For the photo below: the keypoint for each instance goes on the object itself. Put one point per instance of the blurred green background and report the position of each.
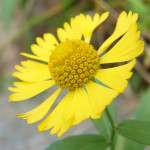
(21, 21)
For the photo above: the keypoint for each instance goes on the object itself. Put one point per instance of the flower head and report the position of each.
(74, 64)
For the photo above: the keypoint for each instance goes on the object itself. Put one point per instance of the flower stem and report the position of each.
(113, 126)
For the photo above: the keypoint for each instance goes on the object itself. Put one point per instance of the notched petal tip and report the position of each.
(10, 100)
(39, 129)
(33, 46)
(38, 40)
(135, 15)
(14, 74)
(105, 14)
(40, 111)
(142, 44)
(22, 54)
(12, 89)
(59, 135)
(9, 88)
(46, 34)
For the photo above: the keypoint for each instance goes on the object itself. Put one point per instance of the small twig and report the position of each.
(142, 72)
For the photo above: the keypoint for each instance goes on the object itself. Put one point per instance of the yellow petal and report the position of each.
(48, 43)
(39, 55)
(80, 108)
(70, 31)
(88, 25)
(40, 52)
(123, 23)
(65, 127)
(100, 96)
(80, 25)
(39, 112)
(43, 48)
(55, 119)
(25, 90)
(127, 48)
(32, 71)
(75, 108)
(62, 35)
(116, 77)
(34, 57)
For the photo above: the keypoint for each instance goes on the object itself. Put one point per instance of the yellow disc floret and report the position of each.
(73, 63)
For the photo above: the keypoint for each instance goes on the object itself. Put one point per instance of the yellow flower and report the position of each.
(73, 64)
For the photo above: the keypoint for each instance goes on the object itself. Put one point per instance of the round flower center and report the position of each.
(73, 63)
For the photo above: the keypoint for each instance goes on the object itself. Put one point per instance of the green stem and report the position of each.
(113, 126)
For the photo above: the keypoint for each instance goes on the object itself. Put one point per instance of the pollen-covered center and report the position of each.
(73, 63)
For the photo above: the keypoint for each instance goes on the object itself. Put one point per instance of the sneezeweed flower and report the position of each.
(74, 64)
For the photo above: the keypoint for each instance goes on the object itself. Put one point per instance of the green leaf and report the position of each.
(140, 115)
(103, 124)
(7, 10)
(81, 142)
(129, 144)
(144, 105)
(123, 143)
(136, 130)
